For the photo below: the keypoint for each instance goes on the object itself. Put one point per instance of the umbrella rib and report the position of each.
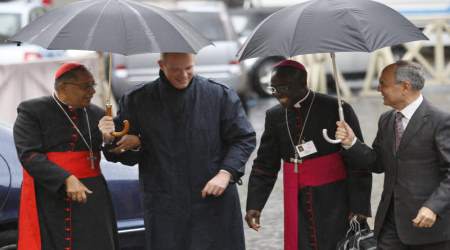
(94, 26)
(295, 30)
(149, 34)
(173, 24)
(359, 30)
(69, 19)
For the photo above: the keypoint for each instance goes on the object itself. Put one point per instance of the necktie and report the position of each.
(398, 129)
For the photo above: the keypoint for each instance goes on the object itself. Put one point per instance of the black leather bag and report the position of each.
(358, 237)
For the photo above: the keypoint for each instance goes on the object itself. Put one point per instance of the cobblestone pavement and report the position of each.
(368, 109)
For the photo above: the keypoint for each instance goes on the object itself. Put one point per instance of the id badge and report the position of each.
(306, 149)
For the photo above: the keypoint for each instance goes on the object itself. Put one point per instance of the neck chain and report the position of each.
(303, 126)
(88, 145)
(297, 104)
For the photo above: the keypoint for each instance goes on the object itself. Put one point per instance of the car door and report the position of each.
(5, 167)
(123, 185)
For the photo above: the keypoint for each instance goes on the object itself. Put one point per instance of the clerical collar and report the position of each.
(298, 104)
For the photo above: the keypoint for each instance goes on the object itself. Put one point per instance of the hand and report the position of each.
(217, 185)
(252, 219)
(106, 126)
(125, 143)
(359, 217)
(76, 190)
(425, 218)
(345, 133)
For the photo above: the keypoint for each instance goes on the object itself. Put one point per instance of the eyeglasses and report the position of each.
(278, 89)
(83, 86)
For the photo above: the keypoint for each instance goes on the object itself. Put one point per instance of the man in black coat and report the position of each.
(321, 191)
(412, 149)
(194, 142)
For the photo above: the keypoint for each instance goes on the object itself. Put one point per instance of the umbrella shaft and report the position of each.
(338, 92)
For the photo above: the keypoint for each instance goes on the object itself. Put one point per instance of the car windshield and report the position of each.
(208, 23)
(9, 25)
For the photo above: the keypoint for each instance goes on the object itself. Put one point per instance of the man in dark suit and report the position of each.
(412, 148)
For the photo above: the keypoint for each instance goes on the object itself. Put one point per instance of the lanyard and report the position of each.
(301, 131)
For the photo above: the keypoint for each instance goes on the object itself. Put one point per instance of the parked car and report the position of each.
(15, 15)
(122, 182)
(259, 69)
(217, 62)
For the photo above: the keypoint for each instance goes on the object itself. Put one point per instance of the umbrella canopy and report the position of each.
(323, 26)
(329, 26)
(118, 26)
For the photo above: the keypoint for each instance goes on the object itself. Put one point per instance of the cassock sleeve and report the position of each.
(126, 111)
(265, 168)
(237, 134)
(30, 149)
(359, 178)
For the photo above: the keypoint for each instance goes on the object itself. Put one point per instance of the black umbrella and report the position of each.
(116, 26)
(329, 26)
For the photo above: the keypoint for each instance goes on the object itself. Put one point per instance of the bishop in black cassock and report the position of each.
(321, 191)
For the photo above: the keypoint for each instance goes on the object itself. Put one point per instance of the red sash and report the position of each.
(312, 172)
(76, 163)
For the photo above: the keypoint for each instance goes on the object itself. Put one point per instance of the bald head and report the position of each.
(178, 68)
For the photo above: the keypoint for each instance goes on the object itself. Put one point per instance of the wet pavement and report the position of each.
(368, 109)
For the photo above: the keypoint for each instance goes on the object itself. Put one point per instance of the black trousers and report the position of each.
(389, 240)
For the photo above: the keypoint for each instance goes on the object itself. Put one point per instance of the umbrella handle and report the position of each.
(325, 132)
(126, 124)
(328, 139)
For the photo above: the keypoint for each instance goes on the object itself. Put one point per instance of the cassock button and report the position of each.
(74, 137)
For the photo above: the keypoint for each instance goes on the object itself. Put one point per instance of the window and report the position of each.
(9, 25)
(35, 13)
(208, 23)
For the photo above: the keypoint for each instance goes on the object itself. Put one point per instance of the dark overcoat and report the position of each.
(187, 137)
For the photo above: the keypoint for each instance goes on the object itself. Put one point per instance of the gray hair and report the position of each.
(410, 71)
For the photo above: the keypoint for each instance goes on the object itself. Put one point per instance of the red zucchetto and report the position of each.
(66, 67)
(290, 63)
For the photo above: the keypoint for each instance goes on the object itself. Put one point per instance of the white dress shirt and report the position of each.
(407, 113)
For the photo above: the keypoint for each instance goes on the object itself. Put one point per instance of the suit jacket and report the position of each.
(417, 175)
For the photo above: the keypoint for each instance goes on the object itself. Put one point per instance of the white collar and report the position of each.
(409, 110)
(297, 105)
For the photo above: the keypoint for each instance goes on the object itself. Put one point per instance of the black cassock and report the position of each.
(187, 137)
(322, 209)
(41, 127)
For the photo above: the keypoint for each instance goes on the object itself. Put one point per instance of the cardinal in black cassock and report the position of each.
(65, 203)
(321, 191)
